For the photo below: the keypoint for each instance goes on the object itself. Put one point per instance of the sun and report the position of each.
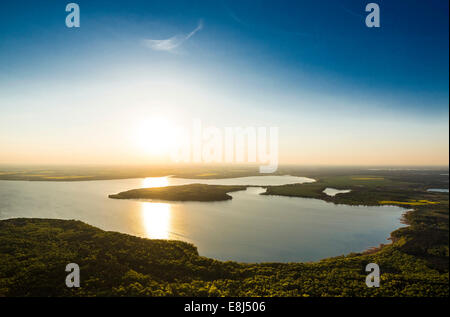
(156, 136)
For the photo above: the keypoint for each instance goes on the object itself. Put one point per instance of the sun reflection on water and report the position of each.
(155, 182)
(156, 220)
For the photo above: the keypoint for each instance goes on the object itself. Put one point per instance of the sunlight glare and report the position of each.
(156, 220)
(156, 136)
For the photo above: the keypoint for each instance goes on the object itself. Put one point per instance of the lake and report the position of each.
(248, 228)
(438, 190)
(333, 191)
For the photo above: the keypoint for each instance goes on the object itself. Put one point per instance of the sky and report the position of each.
(339, 92)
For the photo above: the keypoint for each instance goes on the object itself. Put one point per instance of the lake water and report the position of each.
(438, 190)
(248, 228)
(333, 191)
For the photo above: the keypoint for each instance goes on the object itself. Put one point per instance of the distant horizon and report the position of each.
(206, 165)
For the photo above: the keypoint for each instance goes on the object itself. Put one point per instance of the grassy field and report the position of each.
(412, 202)
(191, 192)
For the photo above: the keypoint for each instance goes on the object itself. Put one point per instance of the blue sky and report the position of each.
(310, 67)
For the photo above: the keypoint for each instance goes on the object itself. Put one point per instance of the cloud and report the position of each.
(172, 43)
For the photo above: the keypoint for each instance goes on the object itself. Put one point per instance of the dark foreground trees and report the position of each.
(35, 252)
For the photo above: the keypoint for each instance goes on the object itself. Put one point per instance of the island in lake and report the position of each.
(191, 192)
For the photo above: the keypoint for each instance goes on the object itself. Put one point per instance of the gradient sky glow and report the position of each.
(340, 93)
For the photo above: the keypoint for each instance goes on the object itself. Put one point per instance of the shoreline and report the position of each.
(406, 217)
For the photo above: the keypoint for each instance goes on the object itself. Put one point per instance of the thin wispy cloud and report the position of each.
(172, 43)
